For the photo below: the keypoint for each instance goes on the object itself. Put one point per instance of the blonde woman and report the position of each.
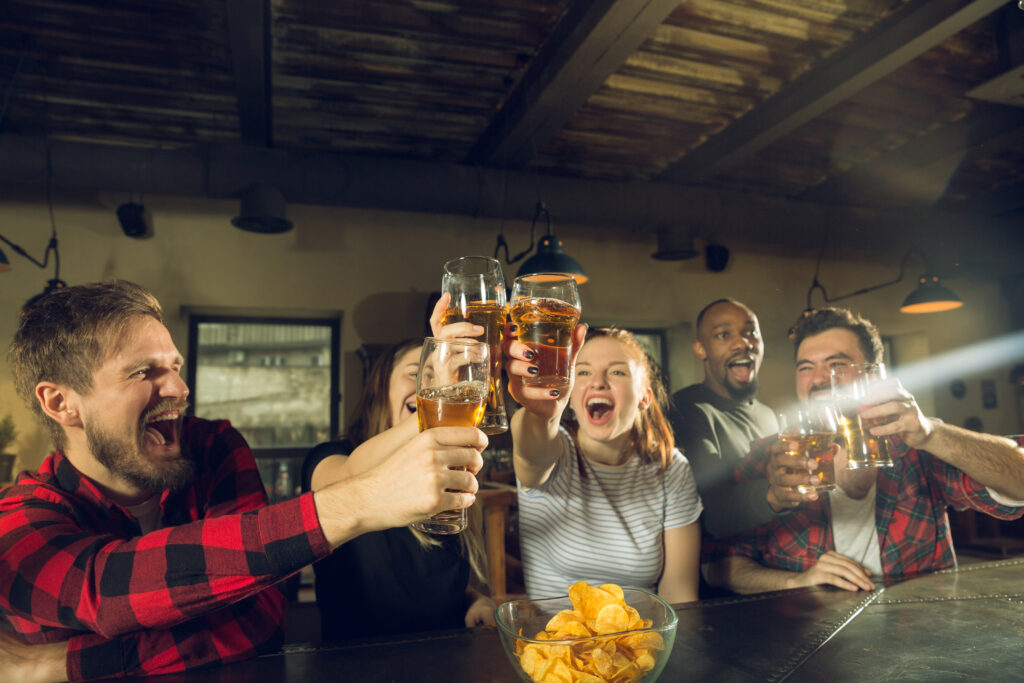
(604, 495)
(398, 580)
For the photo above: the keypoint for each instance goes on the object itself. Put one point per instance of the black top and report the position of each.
(714, 434)
(385, 583)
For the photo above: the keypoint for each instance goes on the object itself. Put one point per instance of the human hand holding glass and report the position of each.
(852, 387)
(476, 289)
(545, 309)
(451, 391)
(811, 429)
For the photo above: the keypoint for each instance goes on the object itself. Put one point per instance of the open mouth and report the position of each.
(410, 406)
(741, 369)
(820, 392)
(599, 408)
(162, 428)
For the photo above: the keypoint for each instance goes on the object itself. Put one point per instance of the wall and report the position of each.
(379, 268)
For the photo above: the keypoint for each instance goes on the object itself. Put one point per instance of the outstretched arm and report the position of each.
(992, 461)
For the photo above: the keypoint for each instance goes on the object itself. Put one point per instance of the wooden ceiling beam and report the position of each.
(249, 35)
(638, 208)
(985, 133)
(588, 44)
(909, 32)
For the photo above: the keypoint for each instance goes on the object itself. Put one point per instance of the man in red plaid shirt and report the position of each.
(144, 544)
(879, 522)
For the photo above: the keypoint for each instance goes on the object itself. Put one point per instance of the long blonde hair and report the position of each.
(651, 435)
(373, 416)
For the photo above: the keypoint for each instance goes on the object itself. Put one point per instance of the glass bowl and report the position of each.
(519, 622)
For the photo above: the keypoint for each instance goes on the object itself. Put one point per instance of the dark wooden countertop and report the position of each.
(965, 624)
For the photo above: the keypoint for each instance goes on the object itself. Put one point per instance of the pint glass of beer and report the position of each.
(812, 428)
(451, 391)
(545, 309)
(851, 388)
(477, 290)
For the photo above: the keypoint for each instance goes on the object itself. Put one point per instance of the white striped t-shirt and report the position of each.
(605, 529)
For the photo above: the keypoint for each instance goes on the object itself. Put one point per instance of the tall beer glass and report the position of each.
(545, 309)
(851, 389)
(451, 391)
(477, 290)
(813, 428)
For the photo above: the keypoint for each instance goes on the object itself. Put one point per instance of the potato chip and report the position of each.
(611, 619)
(621, 658)
(562, 619)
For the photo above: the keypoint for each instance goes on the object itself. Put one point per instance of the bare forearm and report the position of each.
(993, 461)
(535, 446)
(744, 575)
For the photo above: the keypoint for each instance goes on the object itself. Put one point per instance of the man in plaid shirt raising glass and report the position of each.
(144, 544)
(879, 522)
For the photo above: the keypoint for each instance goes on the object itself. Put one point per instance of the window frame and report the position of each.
(195, 317)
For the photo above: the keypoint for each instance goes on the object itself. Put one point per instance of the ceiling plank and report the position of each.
(909, 32)
(248, 28)
(1003, 201)
(984, 133)
(588, 45)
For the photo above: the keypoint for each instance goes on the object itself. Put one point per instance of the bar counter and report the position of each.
(963, 624)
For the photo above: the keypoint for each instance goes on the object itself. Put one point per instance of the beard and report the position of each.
(122, 456)
(742, 392)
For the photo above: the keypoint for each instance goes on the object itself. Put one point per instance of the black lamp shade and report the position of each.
(263, 210)
(551, 258)
(930, 297)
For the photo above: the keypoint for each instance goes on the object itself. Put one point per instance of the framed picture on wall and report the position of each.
(654, 342)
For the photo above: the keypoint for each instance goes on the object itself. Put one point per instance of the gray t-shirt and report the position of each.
(714, 434)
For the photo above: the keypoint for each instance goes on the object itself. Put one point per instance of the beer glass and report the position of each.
(851, 388)
(477, 290)
(451, 391)
(545, 309)
(812, 427)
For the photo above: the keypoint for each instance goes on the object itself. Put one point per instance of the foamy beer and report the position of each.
(451, 391)
(477, 290)
(813, 429)
(851, 387)
(545, 309)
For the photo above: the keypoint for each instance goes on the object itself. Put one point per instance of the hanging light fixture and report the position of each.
(550, 256)
(930, 297)
(262, 210)
(55, 282)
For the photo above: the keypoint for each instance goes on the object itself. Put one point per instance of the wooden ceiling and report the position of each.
(860, 103)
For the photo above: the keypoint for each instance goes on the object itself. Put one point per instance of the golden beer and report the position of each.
(546, 326)
(458, 405)
(818, 446)
(491, 316)
(862, 448)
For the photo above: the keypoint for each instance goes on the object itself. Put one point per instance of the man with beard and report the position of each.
(144, 544)
(715, 421)
(879, 522)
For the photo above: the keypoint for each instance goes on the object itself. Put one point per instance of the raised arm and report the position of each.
(535, 442)
(992, 461)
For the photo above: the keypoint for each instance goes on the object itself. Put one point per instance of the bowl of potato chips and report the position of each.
(595, 634)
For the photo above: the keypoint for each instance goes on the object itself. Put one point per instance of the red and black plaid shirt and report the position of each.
(195, 593)
(910, 515)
